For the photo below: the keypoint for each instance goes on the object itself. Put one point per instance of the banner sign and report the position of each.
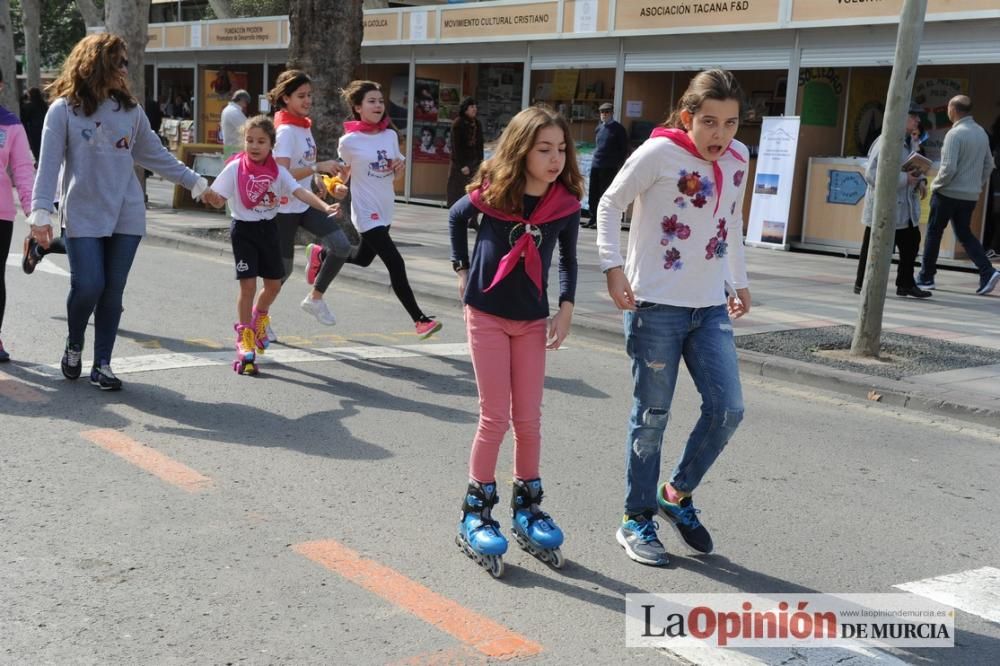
(772, 188)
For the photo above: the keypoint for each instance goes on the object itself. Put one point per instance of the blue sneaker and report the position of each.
(637, 535)
(684, 518)
(988, 283)
(927, 285)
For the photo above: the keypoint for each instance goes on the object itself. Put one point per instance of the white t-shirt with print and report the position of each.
(297, 145)
(685, 242)
(279, 191)
(371, 158)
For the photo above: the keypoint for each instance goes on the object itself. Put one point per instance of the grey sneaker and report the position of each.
(988, 283)
(637, 535)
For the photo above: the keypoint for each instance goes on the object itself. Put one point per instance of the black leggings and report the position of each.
(376, 242)
(6, 231)
(907, 241)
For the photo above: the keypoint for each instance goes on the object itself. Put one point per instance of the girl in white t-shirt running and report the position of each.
(296, 150)
(370, 148)
(256, 185)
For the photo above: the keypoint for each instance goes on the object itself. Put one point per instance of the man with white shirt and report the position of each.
(233, 117)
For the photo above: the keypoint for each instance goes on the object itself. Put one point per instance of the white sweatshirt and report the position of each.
(681, 250)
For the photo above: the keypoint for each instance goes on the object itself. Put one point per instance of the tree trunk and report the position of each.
(222, 8)
(129, 19)
(31, 16)
(867, 333)
(8, 97)
(92, 15)
(326, 43)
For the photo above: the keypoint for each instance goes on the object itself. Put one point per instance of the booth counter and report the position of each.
(835, 199)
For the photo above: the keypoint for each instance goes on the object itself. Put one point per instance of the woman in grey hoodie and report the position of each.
(97, 128)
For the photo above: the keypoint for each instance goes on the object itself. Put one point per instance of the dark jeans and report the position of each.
(907, 244)
(377, 243)
(959, 213)
(600, 180)
(98, 271)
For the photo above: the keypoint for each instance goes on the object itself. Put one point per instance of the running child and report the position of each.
(296, 150)
(529, 196)
(685, 260)
(370, 148)
(255, 186)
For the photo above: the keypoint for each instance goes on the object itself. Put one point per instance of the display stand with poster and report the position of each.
(772, 186)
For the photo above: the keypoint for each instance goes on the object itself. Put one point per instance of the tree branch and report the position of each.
(91, 13)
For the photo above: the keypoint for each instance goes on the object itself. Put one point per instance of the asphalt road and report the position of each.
(308, 515)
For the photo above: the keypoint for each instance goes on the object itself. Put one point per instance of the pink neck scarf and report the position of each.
(681, 138)
(556, 204)
(365, 126)
(252, 179)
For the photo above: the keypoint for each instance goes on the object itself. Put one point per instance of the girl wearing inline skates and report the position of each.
(529, 196)
(255, 186)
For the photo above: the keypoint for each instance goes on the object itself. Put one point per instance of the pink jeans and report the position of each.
(509, 359)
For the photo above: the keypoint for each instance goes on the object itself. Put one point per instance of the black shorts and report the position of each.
(256, 249)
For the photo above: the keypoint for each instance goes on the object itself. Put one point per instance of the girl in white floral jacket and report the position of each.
(684, 277)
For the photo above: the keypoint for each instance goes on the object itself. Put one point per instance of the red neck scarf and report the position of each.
(283, 117)
(253, 180)
(365, 126)
(681, 138)
(556, 204)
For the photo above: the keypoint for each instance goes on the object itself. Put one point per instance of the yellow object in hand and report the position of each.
(331, 183)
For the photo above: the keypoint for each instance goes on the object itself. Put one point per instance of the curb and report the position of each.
(894, 392)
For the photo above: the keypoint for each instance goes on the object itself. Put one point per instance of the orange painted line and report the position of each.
(478, 632)
(18, 391)
(149, 459)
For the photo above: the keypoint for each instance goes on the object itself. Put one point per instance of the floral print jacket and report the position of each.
(685, 241)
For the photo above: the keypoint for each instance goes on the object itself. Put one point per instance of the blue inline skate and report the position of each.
(534, 530)
(479, 535)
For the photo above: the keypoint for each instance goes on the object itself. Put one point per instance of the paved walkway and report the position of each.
(791, 290)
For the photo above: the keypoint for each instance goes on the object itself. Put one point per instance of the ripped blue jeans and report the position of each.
(656, 338)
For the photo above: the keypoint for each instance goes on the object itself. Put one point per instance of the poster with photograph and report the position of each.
(425, 98)
(449, 97)
(430, 142)
(217, 87)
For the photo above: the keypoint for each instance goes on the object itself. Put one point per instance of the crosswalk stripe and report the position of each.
(176, 361)
(18, 391)
(848, 656)
(976, 591)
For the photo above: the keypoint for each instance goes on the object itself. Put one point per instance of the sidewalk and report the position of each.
(790, 290)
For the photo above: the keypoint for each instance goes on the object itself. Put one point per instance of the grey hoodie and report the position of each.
(101, 194)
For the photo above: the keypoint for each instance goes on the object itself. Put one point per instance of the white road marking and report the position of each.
(174, 361)
(976, 591)
(41, 267)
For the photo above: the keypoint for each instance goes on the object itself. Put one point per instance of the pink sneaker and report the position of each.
(426, 329)
(315, 253)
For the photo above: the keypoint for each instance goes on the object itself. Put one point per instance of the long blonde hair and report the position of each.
(505, 171)
(93, 73)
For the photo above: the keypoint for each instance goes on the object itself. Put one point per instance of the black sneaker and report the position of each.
(914, 291)
(987, 284)
(102, 377)
(71, 361)
(684, 518)
(637, 535)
